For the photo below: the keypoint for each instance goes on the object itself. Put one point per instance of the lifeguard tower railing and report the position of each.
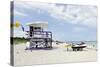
(39, 34)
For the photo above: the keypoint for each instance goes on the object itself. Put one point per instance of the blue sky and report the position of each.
(66, 22)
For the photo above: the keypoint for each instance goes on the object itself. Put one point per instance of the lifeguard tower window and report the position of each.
(35, 29)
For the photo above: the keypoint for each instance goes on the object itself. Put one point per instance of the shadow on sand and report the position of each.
(73, 51)
(40, 48)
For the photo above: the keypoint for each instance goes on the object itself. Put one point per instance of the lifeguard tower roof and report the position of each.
(41, 24)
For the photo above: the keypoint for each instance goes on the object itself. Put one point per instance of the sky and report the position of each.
(67, 22)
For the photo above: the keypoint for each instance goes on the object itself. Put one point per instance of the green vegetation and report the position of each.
(18, 40)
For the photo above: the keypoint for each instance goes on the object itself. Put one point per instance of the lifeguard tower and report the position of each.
(38, 37)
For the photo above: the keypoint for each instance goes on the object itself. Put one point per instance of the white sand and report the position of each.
(58, 54)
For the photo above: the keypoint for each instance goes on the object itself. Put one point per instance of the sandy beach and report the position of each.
(58, 54)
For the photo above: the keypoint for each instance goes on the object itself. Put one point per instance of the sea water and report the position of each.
(92, 44)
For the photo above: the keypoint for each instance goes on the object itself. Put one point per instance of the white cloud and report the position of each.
(84, 15)
(19, 13)
(74, 14)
